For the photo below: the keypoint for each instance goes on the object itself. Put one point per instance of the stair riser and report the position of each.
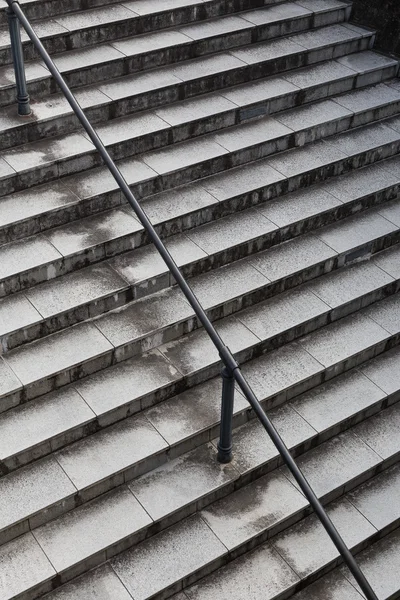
(120, 67)
(149, 286)
(109, 32)
(168, 136)
(46, 272)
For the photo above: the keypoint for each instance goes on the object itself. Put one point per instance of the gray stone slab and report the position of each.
(99, 584)
(299, 206)
(386, 313)
(259, 91)
(241, 180)
(231, 231)
(309, 116)
(355, 231)
(389, 261)
(268, 51)
(318, 74)
(349, 284)
(183, 200)
(280, 370)
(147, 316)
(203, 67)
(271, 14)
(227, 283)
(381, 565)
(322, 5)
(182, 482)
(292, 428)
(138, 83)
(331, 466)
(379, 499)
(183, 155)
(192, 412)
(95, 17)
(332, 34)
(79, 288)
(57, 353)
(306, 546)
(6, 170)
(251, 134)
(365, 62)
(24, 565)
(216, 27)
(145, 263)
(150, 42)
(334, 402)
(300, 160)
(110, 451)
(93, 231)
(391, 212)
(34, 71)
(195, 351)
(381, 432)
(253, 447)
(340, 341)
(9, 381)
(147, 7)
(43, 152)
(41, 421)
(259, 575)
(33, 489)
(100, 181)
(20, 256)
(292, 256)
(280, 314)
(195, 108)
(86, 57)
(87, 97)
(91, 529)
(33, 202)
(254, 509)
(364, 139)
(164, 561)
(360, 100)
(333, 586)
(127, 383)
(16, 312)
(130, 127)
(359, 183)
(384, 371)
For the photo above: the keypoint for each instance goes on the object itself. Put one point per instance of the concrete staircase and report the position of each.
(263, 140)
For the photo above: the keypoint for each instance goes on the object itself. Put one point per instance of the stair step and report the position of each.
(146, 33)
(53, 116)
(102, 461)
(89, 292)
(61, 250)
(166, 315)
(47, 160)
(140, 383)
(158, 11)
(103, 63)
(58, 540)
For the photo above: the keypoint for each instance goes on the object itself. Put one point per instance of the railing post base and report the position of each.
(225, 440)
(24, 108)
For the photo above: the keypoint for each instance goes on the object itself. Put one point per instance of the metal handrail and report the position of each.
(231, 371)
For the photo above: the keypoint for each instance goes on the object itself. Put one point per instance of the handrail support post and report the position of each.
(24, 108)
(225, 438)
